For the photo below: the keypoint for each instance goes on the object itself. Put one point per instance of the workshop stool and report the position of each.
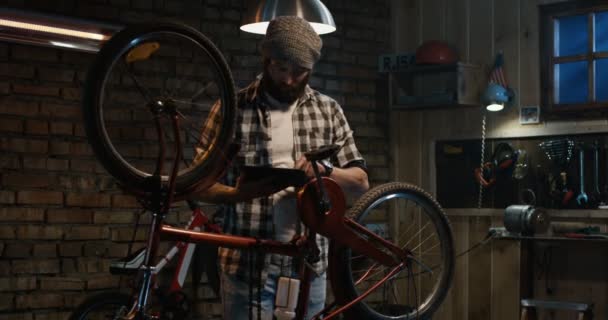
(528, 308)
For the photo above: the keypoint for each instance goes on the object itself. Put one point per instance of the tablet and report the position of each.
(292, 177)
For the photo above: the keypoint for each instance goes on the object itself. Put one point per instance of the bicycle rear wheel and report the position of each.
(411, 219)
(105, 305)
(143, 77)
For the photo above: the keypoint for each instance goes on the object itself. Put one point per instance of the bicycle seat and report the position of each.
(323, 152)
(129, 264)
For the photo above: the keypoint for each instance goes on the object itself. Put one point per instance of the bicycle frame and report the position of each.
(287, 249)
(330, 223)
(198, 221)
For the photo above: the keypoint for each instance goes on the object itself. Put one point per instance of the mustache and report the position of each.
(283, 93)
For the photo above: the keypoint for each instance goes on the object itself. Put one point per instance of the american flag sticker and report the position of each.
(497, 75)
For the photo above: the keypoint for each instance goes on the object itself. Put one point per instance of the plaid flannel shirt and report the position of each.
(318, 120)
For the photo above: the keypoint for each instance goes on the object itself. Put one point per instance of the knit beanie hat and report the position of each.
(292, 39)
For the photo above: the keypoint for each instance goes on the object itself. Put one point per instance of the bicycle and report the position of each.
(174, 303)
(163, 60)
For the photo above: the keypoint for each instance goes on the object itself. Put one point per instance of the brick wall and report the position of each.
(62, 219)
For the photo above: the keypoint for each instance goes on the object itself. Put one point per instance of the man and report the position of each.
(279, 119)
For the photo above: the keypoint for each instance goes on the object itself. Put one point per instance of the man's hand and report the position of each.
(306, 166)
(353, 180)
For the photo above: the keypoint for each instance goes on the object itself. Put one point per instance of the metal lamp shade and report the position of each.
(495, 97)
(44, 29)
(261, 12)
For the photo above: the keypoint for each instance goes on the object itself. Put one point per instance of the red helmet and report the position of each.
(435, 52)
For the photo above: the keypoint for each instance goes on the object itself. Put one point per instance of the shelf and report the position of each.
(549, 238)
(432, 68)
(554, 213)
(428, 86)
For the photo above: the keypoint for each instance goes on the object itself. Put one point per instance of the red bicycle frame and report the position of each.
(335, 226)
(330, 223)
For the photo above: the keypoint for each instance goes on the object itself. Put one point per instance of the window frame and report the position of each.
(547, 14)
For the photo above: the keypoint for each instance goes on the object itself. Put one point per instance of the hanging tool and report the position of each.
(596, 174)
(582, 199)
(560, 152)
(567, 193)
(521, 165)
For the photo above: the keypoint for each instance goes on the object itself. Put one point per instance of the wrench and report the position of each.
(582, 198)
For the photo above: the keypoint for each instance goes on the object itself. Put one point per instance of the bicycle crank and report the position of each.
(176, 306)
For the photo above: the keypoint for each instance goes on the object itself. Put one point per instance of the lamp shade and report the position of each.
(495, 97)
(44, 29)
(261, 12)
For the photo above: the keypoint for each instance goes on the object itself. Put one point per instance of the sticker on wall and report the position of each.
(529, 114)
(395, 62)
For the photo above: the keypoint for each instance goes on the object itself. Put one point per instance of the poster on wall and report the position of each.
(529, 114)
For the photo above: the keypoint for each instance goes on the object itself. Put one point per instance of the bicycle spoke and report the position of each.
(202, 91)
(144, 92)
(395, 292)
(426, 253)
(197, 138)
(415, 235)
(421, 243)
(197, 94)
(398, 278)
(357, 257)
(409, 226)
(366, 273)
(378, 272)
(189, 103)
(178, 85)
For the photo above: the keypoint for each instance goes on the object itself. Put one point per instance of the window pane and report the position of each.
(571, 82)
(601, 31)
(601, 80)
(571, 35)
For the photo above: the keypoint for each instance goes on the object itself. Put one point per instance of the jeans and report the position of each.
(235, 297)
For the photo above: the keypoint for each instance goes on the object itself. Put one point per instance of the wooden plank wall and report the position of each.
(486, 284)
(486, 281)
(477, 29)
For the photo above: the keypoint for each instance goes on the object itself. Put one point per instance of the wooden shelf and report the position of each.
(548, 238)
(436, 86)
(554, 213)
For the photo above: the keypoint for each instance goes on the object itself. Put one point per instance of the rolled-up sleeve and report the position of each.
(343, 136)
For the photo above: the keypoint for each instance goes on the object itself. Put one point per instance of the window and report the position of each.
(574, 56)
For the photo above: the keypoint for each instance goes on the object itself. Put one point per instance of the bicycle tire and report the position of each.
(113, 303)
(343, 282)
(128, 175)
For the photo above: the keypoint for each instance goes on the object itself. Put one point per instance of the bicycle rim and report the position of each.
(104, 306)
(140, 79)
(409, 218)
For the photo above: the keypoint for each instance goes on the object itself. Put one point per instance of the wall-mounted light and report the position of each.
(496, 96)
(261, 12)
(53, 30)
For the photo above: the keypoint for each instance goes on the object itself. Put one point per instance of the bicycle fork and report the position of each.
(349, 233)
(138, 312)
(161, 201)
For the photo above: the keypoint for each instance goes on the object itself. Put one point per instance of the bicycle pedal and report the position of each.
(129, 264)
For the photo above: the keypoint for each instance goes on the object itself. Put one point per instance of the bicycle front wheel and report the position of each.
(106, 305)
(411, 219)
(143, 78)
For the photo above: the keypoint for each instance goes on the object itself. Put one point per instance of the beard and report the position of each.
(283, 93)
